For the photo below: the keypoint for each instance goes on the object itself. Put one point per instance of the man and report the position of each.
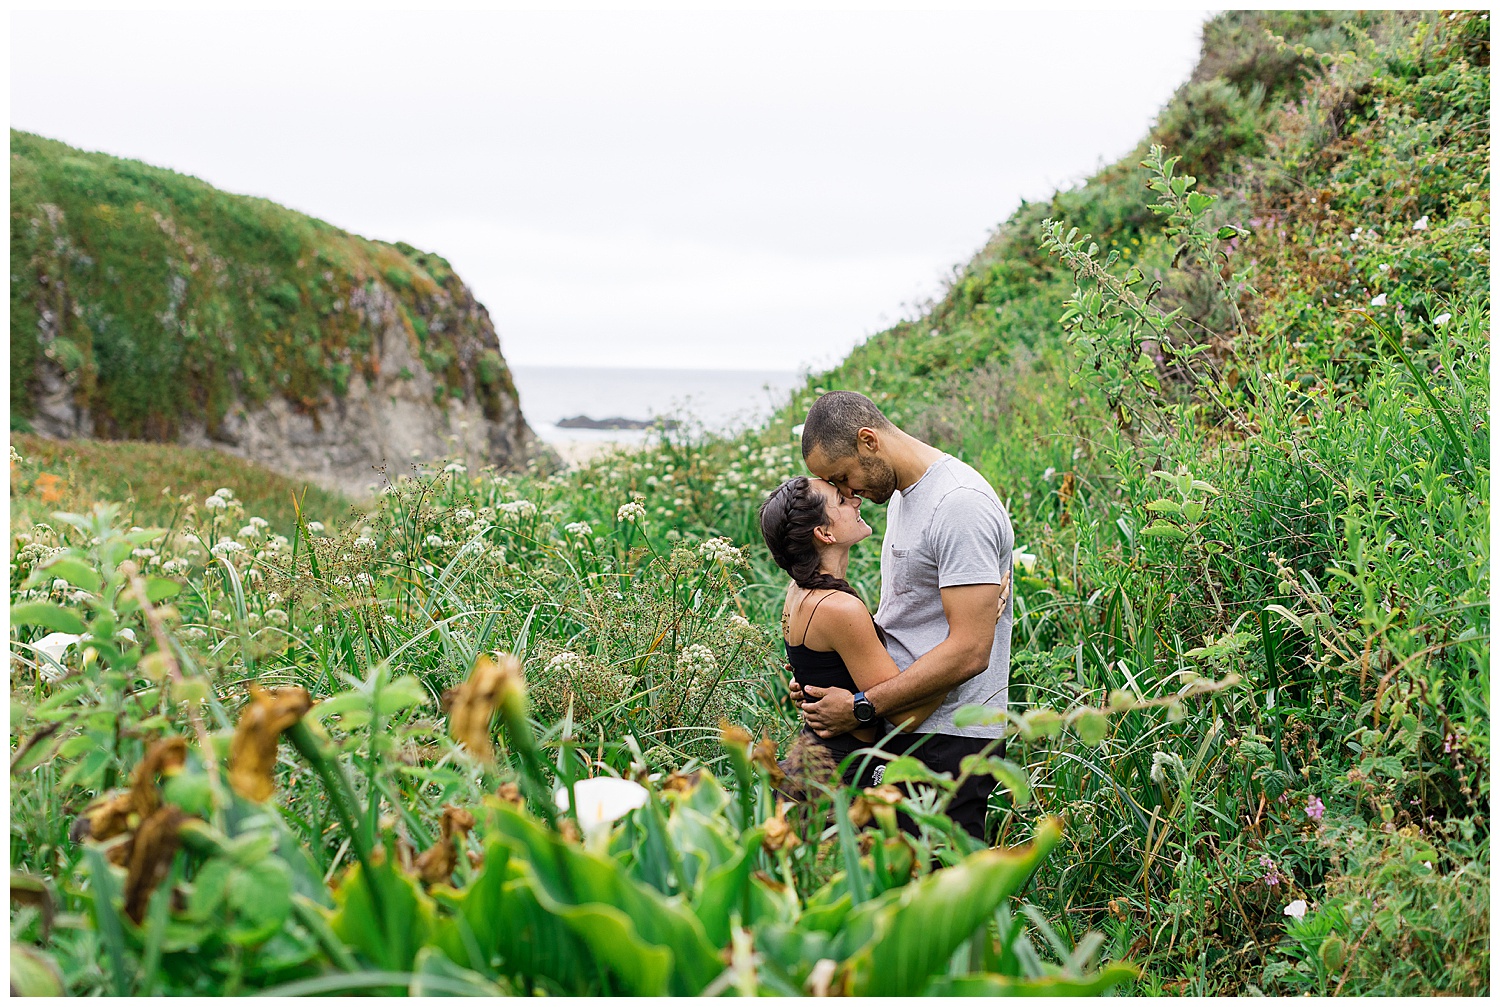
(947, 550)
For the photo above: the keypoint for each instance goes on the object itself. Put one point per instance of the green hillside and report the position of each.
(1234, 390)
(163, 301)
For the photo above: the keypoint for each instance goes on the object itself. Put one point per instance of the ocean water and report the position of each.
(718, 401)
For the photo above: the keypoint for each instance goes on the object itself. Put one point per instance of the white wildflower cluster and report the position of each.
(696, 661)
(315, 527)
(15, 456)
(757, 471)
(275, 546)
(364, 543)
(629, 512)
(214, 503)
(276, 617)
(456, 468)
(463, 515)
(248, 532)
(226, 547)
(579, 528)
(515, 511)
(563, 662)
(173, 567)
(435, 541)
(742, 628)
(721, 550)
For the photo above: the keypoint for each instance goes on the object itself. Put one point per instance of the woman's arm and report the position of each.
(847, 629)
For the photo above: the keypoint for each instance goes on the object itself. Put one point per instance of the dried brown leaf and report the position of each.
(151, 851)
(473, 704)
(252, 752)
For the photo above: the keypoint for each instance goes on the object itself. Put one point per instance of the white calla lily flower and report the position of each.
(603, 800)
(54, 645)
(1296, 909)
(1025, 560)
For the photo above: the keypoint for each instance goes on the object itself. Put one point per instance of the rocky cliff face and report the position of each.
(148, 305)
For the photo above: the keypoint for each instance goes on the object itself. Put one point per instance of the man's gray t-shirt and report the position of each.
(947, 529)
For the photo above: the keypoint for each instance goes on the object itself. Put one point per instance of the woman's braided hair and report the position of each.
(788, 518)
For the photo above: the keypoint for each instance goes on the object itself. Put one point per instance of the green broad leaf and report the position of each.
(48, 615)
(1041, 723)
(724, 890)
(390, 940)
(905, 769)
(402, 694)
(1197, 202)
(1192, 511)
(160, 589)
(1204, 487)
(1010, 775)
(90, 770)
(190, 791)
(259, 897)
(434, 975)
(976, 715)
(1092, 725)
(915, 932)
(989, 985)
(73, 570)
(342, 703)
(609, 911)
(78, 744)
(1226, 232)
(1164, 507)
(32, 973)
(1163, 530)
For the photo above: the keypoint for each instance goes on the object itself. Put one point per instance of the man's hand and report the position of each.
(828, 712)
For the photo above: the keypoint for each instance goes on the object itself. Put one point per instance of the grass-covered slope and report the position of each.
(154, 483)
(1286, 481)
(160, 302)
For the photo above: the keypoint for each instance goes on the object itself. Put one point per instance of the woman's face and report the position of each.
(844, 522)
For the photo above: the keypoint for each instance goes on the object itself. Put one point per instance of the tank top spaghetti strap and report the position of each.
(824, 669)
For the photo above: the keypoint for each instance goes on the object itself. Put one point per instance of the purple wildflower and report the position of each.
(1314, 809)
(1272, 877)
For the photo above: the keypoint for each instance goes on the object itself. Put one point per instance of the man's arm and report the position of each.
(970, 611)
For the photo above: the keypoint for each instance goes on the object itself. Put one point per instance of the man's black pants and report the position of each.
(942, 753)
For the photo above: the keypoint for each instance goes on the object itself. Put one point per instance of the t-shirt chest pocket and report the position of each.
(903, 570)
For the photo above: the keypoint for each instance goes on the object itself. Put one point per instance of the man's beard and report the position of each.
(879, 480)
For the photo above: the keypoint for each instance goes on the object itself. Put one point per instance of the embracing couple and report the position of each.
(941, 637)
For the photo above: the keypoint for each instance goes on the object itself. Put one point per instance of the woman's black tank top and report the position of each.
(821, 668)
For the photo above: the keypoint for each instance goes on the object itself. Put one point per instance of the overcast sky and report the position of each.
(756, 190)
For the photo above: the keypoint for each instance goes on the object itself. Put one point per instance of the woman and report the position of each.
(810, 526)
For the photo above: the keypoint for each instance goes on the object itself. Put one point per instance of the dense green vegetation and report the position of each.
(162, 301)
(1240, 419)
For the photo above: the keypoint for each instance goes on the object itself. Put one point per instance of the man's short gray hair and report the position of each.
(834, 421)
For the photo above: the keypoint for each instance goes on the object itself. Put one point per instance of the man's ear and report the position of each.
(869, 439)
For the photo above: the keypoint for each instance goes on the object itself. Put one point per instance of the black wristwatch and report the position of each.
(864, 710)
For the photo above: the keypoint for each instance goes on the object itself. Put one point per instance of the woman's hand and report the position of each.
(1005, 584)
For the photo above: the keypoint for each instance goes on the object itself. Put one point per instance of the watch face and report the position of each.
(864, 710)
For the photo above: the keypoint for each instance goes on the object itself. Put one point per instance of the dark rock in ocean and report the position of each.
(614, 423)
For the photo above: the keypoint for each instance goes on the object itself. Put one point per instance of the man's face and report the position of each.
(864, 473)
